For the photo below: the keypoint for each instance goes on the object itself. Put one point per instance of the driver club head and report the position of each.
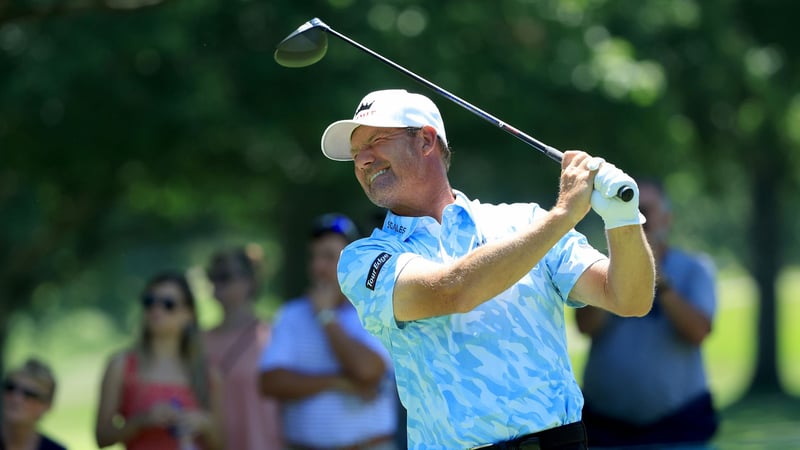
(304, 46)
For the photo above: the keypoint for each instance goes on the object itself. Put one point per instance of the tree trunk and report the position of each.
(3, 336)
(765, 237)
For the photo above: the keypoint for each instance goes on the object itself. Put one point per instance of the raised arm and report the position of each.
(426, 289)
(623, 284)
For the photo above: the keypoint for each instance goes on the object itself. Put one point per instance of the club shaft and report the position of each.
(551, 152)
(625, 193)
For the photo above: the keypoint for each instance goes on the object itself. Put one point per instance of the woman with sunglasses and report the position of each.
(27, 395)
(160, 395)
(234, 348)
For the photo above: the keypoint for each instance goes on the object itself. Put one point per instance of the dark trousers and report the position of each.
(565, 437)
(694, 423)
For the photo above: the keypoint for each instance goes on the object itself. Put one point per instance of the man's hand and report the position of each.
(575, 187)
(607, 182)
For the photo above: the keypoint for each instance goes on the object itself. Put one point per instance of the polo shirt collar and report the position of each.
(405, 226)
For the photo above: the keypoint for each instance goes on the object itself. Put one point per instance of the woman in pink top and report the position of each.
(160, 395)
(234, 349)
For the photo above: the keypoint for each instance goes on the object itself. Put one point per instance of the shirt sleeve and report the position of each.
(567, 261)
(564, 263)
(367, 274)
(279, 352)
(701, 289)
(358, 332)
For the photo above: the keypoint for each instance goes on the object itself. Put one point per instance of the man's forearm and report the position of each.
(689, 322)
(429, 290)
(358, 361)
(284, 384)
(631, 272)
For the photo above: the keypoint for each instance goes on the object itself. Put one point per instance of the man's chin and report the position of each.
(381, 201)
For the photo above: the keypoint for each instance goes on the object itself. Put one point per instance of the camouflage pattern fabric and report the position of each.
(495, 373)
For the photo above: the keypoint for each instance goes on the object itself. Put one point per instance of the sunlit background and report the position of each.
(138, 135)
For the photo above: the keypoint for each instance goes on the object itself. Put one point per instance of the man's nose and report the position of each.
(364, 158)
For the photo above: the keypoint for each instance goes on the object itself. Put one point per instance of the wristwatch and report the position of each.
(326, 316)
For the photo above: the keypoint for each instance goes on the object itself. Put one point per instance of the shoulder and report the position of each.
(693, 260)
(507, 210)
(371, 250)
(497, 220)
(298, 306)
(118, 361)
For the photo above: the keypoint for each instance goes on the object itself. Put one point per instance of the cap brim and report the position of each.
(336, 140)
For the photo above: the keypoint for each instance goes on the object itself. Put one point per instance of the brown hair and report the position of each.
(247, 259)
(40, 372)
(191, 348)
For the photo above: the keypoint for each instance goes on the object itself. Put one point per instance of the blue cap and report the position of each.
(335, 223)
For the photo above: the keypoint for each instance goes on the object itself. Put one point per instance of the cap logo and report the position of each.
(364, 106)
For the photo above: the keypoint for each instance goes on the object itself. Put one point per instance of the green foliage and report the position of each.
(142, 138)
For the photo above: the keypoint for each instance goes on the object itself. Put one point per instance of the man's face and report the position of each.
(324, 257)
(652, 205)
(387, 163)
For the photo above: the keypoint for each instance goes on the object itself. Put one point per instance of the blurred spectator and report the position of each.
(644, 380)
(28, 393)
(334, 379)
(401, 436)
(160, 394)
(234, 348)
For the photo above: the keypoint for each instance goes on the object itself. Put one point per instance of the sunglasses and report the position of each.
(29, 394)
(168, 303)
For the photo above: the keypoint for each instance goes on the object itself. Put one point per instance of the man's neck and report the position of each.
(428, 205)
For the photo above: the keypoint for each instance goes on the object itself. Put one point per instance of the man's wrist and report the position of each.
(617, 220)
(326, 316)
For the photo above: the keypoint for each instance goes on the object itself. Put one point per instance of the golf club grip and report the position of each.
(625, 193)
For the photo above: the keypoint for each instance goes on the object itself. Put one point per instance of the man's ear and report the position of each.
(428, 134)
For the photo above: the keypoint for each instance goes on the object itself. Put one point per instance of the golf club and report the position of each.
(309, 43)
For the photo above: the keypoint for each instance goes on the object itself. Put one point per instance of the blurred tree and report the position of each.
(733, 74)
(133, 140)
(25, 10)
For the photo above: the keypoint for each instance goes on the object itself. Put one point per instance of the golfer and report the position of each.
(469, 297)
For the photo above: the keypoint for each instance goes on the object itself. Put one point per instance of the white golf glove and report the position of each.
(614, 211)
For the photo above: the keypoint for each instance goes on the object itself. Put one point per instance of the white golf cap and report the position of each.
(391, 108)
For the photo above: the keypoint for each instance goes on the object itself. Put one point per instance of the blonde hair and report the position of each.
(40, 372)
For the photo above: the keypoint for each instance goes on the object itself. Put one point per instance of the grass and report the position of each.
(79, 344)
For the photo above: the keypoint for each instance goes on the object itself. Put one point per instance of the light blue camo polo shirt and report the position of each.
(497, 372)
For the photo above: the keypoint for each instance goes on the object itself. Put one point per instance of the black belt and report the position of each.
(571, 436)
